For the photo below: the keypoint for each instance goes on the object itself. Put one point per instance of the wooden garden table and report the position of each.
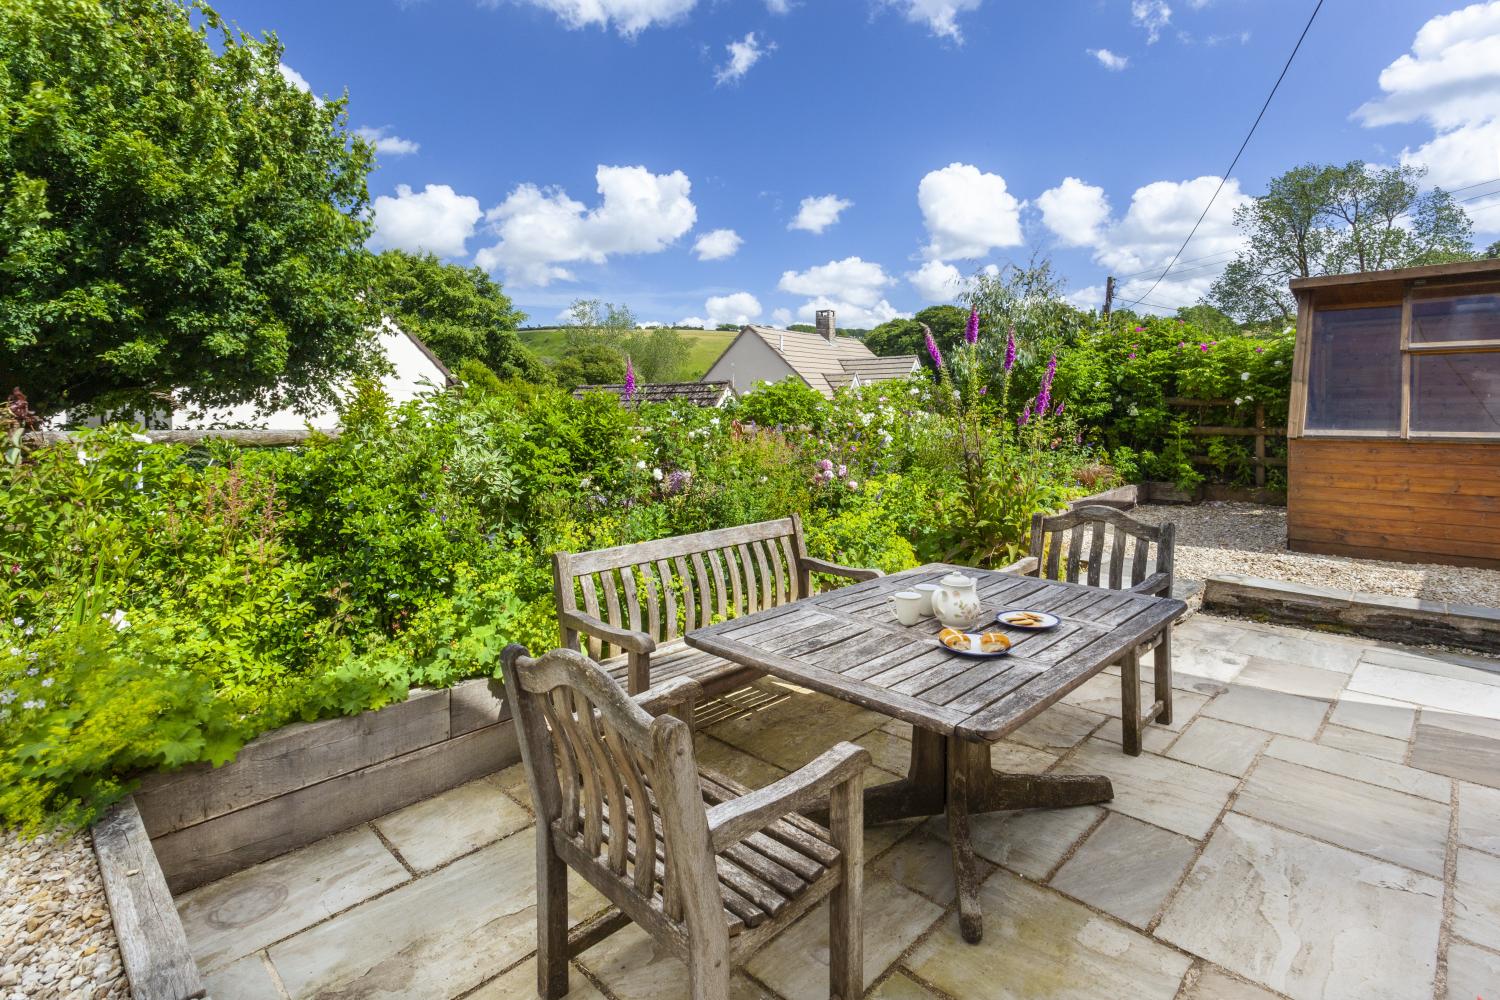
(847, 643)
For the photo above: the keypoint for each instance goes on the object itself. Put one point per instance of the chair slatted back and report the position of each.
(671, 586)
(597, 762)
(1105, 547)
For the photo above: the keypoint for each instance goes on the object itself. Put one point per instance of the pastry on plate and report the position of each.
(994, 642)
(953, 638)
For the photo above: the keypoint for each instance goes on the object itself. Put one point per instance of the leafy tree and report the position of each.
(1492, 251)
(174, 215)
(592, 322)
(658, 355)
(1317, 219)
(459, 312)
(1208, 319)
(1027, 298)
(727, 327)
(592, 364)
(905, 336)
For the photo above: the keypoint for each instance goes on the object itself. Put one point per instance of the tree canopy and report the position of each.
(174, 214)
(1323, 219)
(459, 312)
(905, 336)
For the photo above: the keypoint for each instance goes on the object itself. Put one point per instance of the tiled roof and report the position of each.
(826, 366)
(701, 393)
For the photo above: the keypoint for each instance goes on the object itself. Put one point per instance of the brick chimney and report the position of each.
(826, 326)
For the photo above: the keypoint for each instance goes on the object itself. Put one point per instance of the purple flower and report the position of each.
(629, 380)
(826, 465)
(1139, 329)
(1044, 395)
(933, 352)
(971, 332)
(1059, 409)
(1010, 349)
(1260, 350)
(1182, 343)
(1203, 348)
(1130, 356)
(984, 389)
(1025, 417)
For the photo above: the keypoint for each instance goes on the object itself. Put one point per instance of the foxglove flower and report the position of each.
(971, 332)
(1010, 350)
(933, 352)
(629, 380)
(1025, 417)
(1044, 395)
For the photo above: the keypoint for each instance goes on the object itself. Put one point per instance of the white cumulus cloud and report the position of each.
(385, 142)
(743, 54)
(781, 317)
(1074, 211)
(1451, 81)
(967, 213)
(852, 287)
(718, 245)
(294, 78)
(541, 230)
(1110, 60)
(691, 323)
(738, 308)
(1151, 15)
(628, 17)
(436, 219)
(936, 281)
(940, 16)
(816, 214)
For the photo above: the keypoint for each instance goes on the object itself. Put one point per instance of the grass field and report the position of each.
(704, 348)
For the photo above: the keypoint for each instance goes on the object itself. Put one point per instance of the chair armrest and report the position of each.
(635, 642)
(670, 696)
(1025, 567)
(834, 569)
(733, 821)
(1156, 584)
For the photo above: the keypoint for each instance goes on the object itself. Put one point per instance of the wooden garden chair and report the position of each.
(707, 867)
(1071, 547)
(652, 593)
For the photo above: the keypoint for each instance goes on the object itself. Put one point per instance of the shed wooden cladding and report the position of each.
(1394, 424)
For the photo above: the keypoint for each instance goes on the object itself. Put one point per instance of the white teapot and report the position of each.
(956, 601)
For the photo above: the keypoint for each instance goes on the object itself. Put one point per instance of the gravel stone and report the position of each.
(1247, 538)
(56, 936)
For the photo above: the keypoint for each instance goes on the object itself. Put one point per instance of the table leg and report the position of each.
(965, 878)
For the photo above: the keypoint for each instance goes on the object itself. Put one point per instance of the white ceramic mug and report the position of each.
(927, 590)
(908, 606)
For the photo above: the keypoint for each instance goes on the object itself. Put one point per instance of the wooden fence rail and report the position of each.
(1260, 432)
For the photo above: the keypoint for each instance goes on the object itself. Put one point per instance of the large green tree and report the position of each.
(459, 312)
(905, 336)
(174, 215)
(1323, 219)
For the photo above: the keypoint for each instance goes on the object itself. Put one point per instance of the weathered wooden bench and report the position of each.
(708, 868)
(638, 601)
(1073, 545)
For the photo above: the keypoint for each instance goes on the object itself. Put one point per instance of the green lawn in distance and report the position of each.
(704, 347)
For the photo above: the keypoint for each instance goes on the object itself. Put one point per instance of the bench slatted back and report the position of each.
(1073, 544)
(596, 762)
(671, 586)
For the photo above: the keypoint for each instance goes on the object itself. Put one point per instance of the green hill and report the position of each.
(704, 348)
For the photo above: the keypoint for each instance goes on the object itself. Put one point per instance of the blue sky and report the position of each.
(586, 148)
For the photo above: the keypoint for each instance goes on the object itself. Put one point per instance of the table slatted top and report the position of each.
(847, 643)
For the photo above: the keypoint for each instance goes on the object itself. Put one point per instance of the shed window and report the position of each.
(1457, 393)
(1354, 375)
(1446, 315)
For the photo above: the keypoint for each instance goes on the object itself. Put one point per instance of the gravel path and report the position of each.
(1251, 539)
(56, 938)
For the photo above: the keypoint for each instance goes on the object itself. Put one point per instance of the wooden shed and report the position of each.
(1394, 425)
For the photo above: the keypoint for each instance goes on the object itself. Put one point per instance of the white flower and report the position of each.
(6, 697)
(714, 421)
(585, 482)
(15, 651)
(1287, 330)
(46, 682)
(853, 484)
(19, 622)
(641, 464)
(1238, 401)
(912, 391)
(1277, 363)
(118, 620)
(34, 704)
(656, 474)
(1244, 376)
(140, 438)
(83, 458)
(1133, 410)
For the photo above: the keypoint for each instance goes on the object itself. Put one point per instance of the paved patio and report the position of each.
(1321, 821)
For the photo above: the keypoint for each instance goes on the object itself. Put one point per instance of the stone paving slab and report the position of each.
(1029, 843)
(457, 822)
(1219, 746)
(1167, 793)
(243, 913)
(1476, 898)
(1213, 984)
(1374, 714)
(1358, 741)
(1479, 817)
(1396, 777)
(1458, 746)
(248, 978)
(1126, 868)
(632, 966)
(1445, 693)
(1307, 919)
(1402, 829)
(1038, 944)
(1472, 972)
(1273, 711)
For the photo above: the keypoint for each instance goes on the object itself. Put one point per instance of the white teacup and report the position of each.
(908, 606)
(926, 590)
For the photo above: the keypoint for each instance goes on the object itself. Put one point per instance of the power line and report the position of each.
(1256, 124)
(1467, 187)
(1194, 260)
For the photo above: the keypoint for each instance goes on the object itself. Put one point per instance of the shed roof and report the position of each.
(1460, 269)
(827, 365)
(701, 393)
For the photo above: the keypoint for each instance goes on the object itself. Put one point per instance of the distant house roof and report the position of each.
(828, 365)
(700, 393)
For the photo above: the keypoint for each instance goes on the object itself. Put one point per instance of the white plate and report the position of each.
(973, 649)
(1048, 620)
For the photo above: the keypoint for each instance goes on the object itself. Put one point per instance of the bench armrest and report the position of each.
(677, 696)
(635, 642)
(834, 569)
(1025, 567)
(1156, 584)
(733, 821)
